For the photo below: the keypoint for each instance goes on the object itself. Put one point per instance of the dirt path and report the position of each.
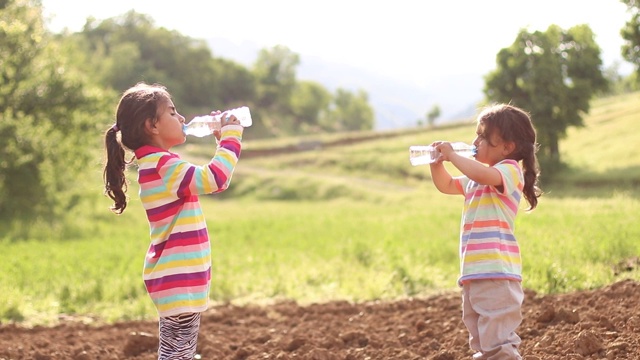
(598, 324)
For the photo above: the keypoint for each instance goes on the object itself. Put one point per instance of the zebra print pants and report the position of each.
(178, 336)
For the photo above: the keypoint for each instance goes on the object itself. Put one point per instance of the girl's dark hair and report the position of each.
(137, 105)
(513, 124)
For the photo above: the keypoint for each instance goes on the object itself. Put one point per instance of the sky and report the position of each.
(408, 40)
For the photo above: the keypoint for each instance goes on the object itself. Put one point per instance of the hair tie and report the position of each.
(115, 128)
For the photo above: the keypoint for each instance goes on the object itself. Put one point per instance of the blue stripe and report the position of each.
(184, 256)
(154, 190)
(181, 297)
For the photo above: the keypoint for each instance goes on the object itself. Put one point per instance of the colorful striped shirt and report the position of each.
(488, 247)
(177, 268)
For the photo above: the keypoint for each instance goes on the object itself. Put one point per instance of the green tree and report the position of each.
(631, 34)
(275, 71)
(49, 115)
(553, 75)
(309, 102)
(130, 48)
(349, 112)
(433, 114)
(236, 83)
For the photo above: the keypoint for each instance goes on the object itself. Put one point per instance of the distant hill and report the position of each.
(397, 104)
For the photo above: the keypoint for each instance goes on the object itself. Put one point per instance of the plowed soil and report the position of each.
(596, 324)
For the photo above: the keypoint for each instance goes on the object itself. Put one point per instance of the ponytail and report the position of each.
(137, 105)
(530, 171)
(115, 182)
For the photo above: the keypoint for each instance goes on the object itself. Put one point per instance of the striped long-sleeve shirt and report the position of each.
(488, 247)
(177, 267)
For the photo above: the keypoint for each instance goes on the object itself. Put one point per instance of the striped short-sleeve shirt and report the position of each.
(177, 267)
(488, 246)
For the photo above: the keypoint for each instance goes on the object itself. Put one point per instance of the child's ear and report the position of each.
(150, 127)
(509, 147)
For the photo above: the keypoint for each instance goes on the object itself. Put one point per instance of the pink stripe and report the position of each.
(177, 291)
(185, 249)
(491, 246)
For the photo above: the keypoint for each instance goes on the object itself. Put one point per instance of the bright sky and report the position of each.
(405, 39)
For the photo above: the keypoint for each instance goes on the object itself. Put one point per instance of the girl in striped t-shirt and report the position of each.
(505, 168)
(177, 267)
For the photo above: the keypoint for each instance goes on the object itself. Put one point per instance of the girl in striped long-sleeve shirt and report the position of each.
(505, 168)
(177, 267)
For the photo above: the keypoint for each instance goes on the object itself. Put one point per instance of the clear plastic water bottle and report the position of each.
(205, 125)
(427, 154)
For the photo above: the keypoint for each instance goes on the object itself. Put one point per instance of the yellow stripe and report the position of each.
(206, 182)
(153, 197)
(492, 257)
(231, 133)
(190, 220)
(229, 156)
(178, 264)
(182, 303)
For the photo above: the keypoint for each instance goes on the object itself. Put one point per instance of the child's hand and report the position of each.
(226, 119)
(443, 149)
(216, 131)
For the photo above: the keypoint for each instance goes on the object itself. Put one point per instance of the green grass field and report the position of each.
(354, 222)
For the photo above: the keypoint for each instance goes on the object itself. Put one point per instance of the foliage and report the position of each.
(275, 71)
(433, 114)
(47, 109)
(132, 49)
(288, 106)
(309, 104)
(618, 83)
(553, 75)
(350, 112)
(631, 34)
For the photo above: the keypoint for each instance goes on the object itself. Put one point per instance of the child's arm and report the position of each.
(443, 180)
(474, 170)
(223, 164)
(484, 175)
(185, 179)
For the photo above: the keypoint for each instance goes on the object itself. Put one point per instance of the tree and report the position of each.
(309, 102)
(433, 114)
(47, 110)
(275, 71)
(551, 74)
(349, 112)
(631, 34)
(130, 48)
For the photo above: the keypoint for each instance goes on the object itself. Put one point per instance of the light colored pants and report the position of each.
(491, 311)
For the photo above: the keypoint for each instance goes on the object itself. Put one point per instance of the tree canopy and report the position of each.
(47, 117)
(552, 74)
(130, 48)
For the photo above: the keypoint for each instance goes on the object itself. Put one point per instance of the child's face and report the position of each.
(169, 127)
(488, 151)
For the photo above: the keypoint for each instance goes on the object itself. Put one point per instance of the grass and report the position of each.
(350, 222)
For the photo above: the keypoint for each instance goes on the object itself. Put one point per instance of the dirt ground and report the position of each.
(598, 324)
